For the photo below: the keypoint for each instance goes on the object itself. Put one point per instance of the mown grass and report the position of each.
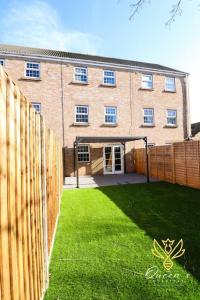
(104, 240)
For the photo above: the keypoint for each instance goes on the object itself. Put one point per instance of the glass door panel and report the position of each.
(108, 160)
(117, 159)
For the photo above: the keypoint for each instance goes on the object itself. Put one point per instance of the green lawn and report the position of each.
(104, 240)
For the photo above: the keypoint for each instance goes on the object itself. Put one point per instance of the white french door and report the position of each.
(113, 159)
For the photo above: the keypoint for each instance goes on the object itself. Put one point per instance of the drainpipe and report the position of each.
(63, 123)
(187, 109)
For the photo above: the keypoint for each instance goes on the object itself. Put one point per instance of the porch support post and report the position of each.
(147, 159)
(124, 144)
(74, 154)
(76, 163)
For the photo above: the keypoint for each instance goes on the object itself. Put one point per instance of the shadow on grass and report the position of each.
(164, 211)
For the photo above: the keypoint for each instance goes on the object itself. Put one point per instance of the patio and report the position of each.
(104, 180)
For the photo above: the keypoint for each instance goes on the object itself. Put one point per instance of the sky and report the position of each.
(103, 27)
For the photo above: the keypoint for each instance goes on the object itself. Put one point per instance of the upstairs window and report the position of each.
(32, 70)
(110, 115)
(171, 117)
(170, 84)
(148, 114)
(37, 107)
(109, 77)
(147, 81)
(1, 62)
(80, 75)
(83, 153)
(81, 114)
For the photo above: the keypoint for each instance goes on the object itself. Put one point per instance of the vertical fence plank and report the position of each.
(12, 230)
(28, 200)
(23, 197)
(5, 271)
(32, 199)
(44, 201)
(19, 211)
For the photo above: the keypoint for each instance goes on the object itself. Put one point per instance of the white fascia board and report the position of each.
(92, 63)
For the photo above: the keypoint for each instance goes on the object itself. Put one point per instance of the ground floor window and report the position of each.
(1, 62)
(83, 153)
(150, 145)
(37, 106)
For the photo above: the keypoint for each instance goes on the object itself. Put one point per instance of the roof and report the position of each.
(108, 139)
(28, 51)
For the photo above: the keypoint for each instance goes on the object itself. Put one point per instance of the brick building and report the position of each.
(85, 95)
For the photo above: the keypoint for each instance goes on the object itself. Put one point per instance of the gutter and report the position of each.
(92, 63)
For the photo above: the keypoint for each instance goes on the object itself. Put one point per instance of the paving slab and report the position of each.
(104, 180)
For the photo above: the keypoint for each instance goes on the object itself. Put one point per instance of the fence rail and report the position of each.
(30, 190)
(177, 163)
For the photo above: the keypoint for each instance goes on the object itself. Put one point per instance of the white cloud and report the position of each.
(37, 24)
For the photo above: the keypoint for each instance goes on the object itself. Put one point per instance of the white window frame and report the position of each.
(82, 152)
(26, 68)
(174, 87)
(2, 62)
(79, 74)
(35, 104)
(151, 145)
(144, 81)
(175, 117)
(145, 115)
(77, 122)
(105, 114)
(109, 76)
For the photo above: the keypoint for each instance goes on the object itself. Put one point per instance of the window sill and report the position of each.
(81, 124)
(79, 82)
(83, 162)
(171, 92)
(31, 78)
(170, 126)
(146, 89)
(109, 125)
(147, 126)
(108, 85)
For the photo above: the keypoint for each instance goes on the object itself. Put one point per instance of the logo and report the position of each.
(168, 252)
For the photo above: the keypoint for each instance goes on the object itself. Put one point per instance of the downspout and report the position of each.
(131, 102)
(131, 114)
(187, 108)
(63, 124)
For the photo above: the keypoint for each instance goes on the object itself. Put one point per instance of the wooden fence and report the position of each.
(30, 190)
(177, 163)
